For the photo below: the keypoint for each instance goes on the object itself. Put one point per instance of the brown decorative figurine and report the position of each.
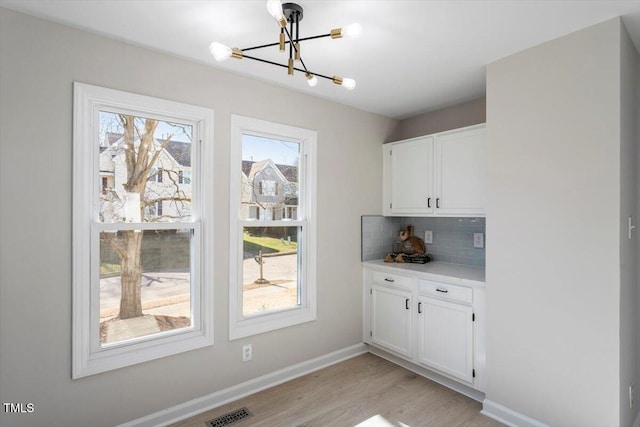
(411, 244)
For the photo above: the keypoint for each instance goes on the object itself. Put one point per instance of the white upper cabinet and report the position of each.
(411, 181)
(440, 174)
(461, 172)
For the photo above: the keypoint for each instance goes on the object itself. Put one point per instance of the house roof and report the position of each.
(290, 172)
(111, 138)
(180, 151)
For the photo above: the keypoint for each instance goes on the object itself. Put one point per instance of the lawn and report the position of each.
(170, 251)
(268, 245)
(108, 269)
(160, 252)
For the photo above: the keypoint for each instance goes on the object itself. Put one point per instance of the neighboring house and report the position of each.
(168, 192)
(269, 191)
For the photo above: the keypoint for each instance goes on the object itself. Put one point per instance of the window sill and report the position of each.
(269, 322)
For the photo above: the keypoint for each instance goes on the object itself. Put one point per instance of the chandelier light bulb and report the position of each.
(220, 51)
(349, 84)
(311, 80)
(290, 13)
(275, 9)
(352, 30)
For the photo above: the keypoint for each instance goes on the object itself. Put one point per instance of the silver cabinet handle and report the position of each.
(389, 280)
(444, 291)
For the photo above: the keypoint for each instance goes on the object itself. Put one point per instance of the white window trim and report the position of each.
(87, 357)
(240, 326)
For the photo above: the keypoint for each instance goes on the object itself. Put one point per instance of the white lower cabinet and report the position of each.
(445, 337)
(391, 319)
(432, 324)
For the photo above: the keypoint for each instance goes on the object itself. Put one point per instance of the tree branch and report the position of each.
(129, 149)
(115, 243)
(156, 154)
(149, 202)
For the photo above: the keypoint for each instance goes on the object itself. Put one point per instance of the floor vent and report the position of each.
(230, 418)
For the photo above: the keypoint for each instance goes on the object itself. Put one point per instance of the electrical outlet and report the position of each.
(247, 352)
(428, 236)
(631, 395)
(478, 240)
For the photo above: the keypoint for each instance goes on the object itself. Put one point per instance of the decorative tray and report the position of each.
(409, 258)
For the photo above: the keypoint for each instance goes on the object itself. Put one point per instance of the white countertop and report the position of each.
(455, 274)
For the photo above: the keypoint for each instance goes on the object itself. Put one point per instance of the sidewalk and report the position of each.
(168, 294)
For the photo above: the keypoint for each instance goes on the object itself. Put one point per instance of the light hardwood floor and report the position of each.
(366, 390)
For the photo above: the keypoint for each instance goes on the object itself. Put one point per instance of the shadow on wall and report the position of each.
(461, 115)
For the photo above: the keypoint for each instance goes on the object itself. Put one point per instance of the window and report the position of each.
(139, 281)
(184, 177)
(268, 188)
(273, 256)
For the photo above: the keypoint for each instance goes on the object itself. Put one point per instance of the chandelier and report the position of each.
(290, 14)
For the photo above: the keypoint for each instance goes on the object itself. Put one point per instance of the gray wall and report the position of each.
(457, 116)
(637, 237)
(39, 62)
(554, 265)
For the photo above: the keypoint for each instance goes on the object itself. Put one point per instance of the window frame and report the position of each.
(87, 357)
(239, 325)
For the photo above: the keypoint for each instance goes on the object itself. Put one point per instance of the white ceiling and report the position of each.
(413, 56)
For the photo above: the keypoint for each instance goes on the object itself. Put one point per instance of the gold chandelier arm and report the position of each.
(236, 53)
(336, 33)
(285, 42)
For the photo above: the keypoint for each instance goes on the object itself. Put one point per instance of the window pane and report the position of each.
(144, 164)
(154, 263)
(270, 171)
(274, 284)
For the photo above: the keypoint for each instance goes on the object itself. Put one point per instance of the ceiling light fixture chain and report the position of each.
(291, 14)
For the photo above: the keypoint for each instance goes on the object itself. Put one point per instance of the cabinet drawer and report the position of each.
(391, 280)
(447, 291)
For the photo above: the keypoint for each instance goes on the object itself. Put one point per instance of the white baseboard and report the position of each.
(508, 416)
(219, 398)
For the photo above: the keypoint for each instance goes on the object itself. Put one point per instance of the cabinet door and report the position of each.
(445, 337)
(391, 319)
(411, 176)
(461, 172)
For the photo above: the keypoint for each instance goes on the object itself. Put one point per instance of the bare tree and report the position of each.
(139, 161)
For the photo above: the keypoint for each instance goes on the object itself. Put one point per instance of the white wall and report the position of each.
(553, 214)
(629, 260)
(39, 61)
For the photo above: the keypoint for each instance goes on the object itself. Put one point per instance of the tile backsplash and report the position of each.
(452, 237)
(378, 235)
